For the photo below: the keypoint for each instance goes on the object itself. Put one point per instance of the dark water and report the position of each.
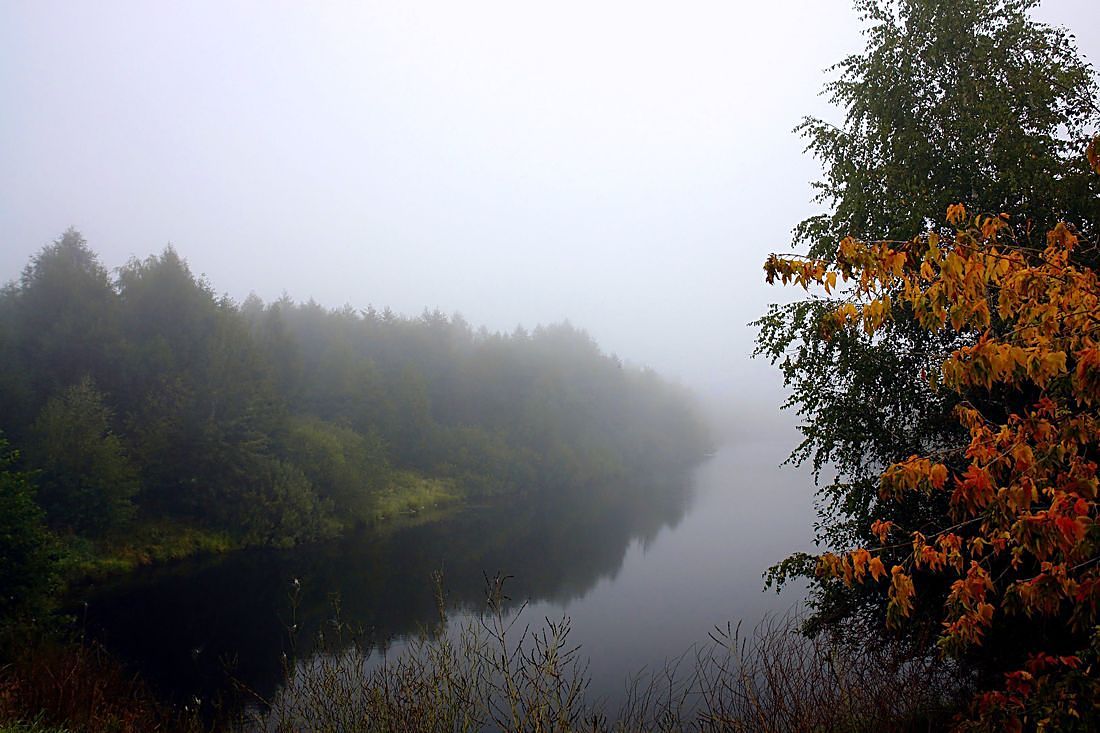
(644, 572)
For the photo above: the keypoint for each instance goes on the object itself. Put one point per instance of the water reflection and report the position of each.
(192, 627)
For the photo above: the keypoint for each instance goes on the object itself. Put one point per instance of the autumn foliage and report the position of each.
(1021, 539)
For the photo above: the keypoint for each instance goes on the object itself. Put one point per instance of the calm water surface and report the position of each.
(641, 579)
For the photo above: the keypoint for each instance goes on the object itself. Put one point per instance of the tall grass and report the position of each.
(54, 687)
(775, 679)
(497, 673)
(492, 674)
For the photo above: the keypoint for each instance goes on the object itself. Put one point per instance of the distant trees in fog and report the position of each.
(144, 396)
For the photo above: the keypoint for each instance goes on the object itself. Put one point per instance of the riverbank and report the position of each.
(408, 498)
(57, 686)
(409, 495)
(597, 553)
(53, 677)
(476, 679)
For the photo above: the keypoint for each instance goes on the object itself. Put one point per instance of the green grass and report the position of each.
(409, 494)
(146, 543)
(408, 497)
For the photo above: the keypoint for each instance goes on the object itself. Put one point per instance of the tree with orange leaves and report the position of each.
(970, 101)
(1018, 548)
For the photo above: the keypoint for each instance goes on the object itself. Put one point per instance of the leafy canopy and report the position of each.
(953, 101)
(1021, 535)
(28, 572)
(966, 101)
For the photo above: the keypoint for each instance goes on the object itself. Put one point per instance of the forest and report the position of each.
(146, 417)
(938, 339)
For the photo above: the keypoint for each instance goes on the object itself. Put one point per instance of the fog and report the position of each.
(622, 165)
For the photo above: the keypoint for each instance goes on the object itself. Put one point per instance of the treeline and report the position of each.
(145, 396)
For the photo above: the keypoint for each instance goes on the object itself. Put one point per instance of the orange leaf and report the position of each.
(876, 568)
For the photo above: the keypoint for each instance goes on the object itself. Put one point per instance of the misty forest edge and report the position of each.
(154, 419)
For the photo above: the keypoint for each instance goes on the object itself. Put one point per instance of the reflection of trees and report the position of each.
(184, 626)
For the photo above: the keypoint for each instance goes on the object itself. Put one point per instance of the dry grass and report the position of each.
(492, 674)
(777, 680)
(496, 673)
(79, 688)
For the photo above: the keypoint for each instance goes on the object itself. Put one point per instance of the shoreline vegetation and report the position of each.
(408, 499)
(147, 420)
(498, 671)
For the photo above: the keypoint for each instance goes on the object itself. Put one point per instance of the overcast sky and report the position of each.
(625, 165)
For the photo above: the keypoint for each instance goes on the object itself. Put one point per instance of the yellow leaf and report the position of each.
(938, 475)
(876, 568)
(956, 214)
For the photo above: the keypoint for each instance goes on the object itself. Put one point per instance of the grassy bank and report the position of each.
(53, 683)
(146, 543)
(409, 494)
(407, 498)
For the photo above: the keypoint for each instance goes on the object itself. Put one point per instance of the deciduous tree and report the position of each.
(86, 480)
(966, 101)
(1010, 569)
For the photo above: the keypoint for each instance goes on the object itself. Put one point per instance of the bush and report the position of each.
(28, 566)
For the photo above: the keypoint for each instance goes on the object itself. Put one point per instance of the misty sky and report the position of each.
(625, 165)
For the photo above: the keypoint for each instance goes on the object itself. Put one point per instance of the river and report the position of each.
(643, 575)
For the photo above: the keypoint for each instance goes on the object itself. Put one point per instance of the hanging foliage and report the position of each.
(1021, 536)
